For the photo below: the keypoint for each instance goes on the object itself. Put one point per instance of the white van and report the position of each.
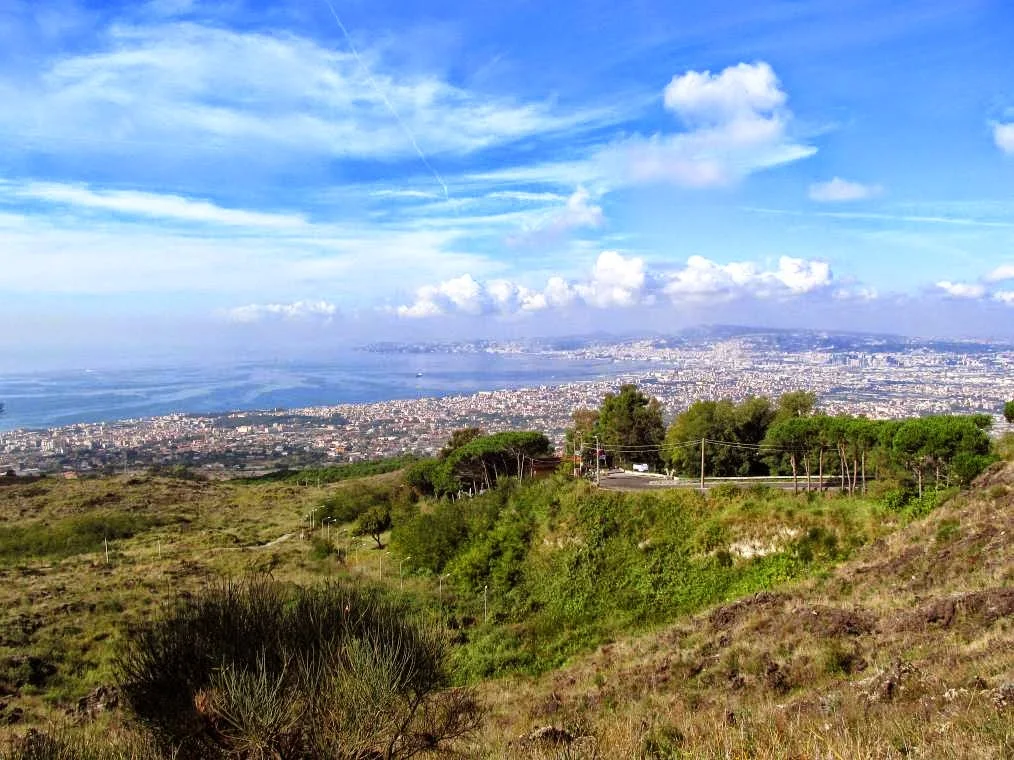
(640, 468)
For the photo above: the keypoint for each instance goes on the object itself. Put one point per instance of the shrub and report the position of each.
(321, 548)
(373, 523)
(261, 669)
(62, 743)
(355, 499)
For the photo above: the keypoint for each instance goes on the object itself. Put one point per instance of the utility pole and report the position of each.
(598, 457)
(702, 464)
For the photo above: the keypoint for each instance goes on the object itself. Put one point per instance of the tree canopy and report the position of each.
(479, 462)
(630, 426)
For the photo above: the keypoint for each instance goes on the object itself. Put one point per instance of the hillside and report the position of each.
(906, 650)
(748, 623)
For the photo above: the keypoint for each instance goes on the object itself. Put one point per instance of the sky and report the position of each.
(194, 179)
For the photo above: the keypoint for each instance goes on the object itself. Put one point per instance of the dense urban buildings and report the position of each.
(871, 377)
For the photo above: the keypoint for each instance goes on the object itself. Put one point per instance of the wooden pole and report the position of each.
(702, 464)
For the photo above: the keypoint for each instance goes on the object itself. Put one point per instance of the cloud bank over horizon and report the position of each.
(208, 166)
(616, 281)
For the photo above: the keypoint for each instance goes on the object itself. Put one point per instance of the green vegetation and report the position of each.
(266, 670)
(374, 523)
(795, 617)
(323, 475)
(478, 462)
(630, 427)
(1008, 412)
(564, 566)
(758, 437)
(74, 535)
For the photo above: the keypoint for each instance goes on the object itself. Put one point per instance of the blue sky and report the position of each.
(181, 177)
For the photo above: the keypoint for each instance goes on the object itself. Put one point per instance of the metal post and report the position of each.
(401, 576)
(485, 606)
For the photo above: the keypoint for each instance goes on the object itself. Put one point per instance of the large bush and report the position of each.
(260, 669)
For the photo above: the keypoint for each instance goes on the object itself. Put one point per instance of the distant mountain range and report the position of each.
(760, 338)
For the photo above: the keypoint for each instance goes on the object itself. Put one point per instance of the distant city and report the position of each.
(874, 375)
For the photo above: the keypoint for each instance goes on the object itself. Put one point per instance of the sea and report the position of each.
(58, 398)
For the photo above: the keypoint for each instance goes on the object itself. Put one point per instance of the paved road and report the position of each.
(632, 481)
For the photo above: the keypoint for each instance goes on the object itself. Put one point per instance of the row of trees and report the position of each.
(629, 426)
(472, 461)
(785, 436)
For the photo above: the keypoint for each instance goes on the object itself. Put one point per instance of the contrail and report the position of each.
(383, 97)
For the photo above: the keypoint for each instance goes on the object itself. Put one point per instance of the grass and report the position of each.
(779, 676)
(907, 649)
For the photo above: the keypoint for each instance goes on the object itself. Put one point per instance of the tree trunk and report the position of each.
(855, 474)
(864, 473)
(806, 466)
(820, 472)
(795, 483)
(918, 475)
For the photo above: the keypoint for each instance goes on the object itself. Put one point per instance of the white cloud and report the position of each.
(1001, 273)
(578, 211)
(1003, 136)
(1005, 297)
(135, 203)
(738, 92)
(856, 293)
(839, 189)
(295, 310)
(703, 278)
(736, 123)
(962, 289)
(70, 254)
(618, 281)
(615, 281)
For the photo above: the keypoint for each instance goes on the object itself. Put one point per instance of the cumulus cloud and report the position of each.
(296, 310)
(615, 281)
(1001, 273)
(736, 122)
(618, 281)
(704, 278)
(739, 92)
(962, 289)
(1005, 297)
(839, 189)
(1003, 136)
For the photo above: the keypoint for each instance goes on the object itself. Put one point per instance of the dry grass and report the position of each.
(61, 618)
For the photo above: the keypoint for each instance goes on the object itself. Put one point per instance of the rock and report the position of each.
(101, 700)
(1003, 696)
(549, 735)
